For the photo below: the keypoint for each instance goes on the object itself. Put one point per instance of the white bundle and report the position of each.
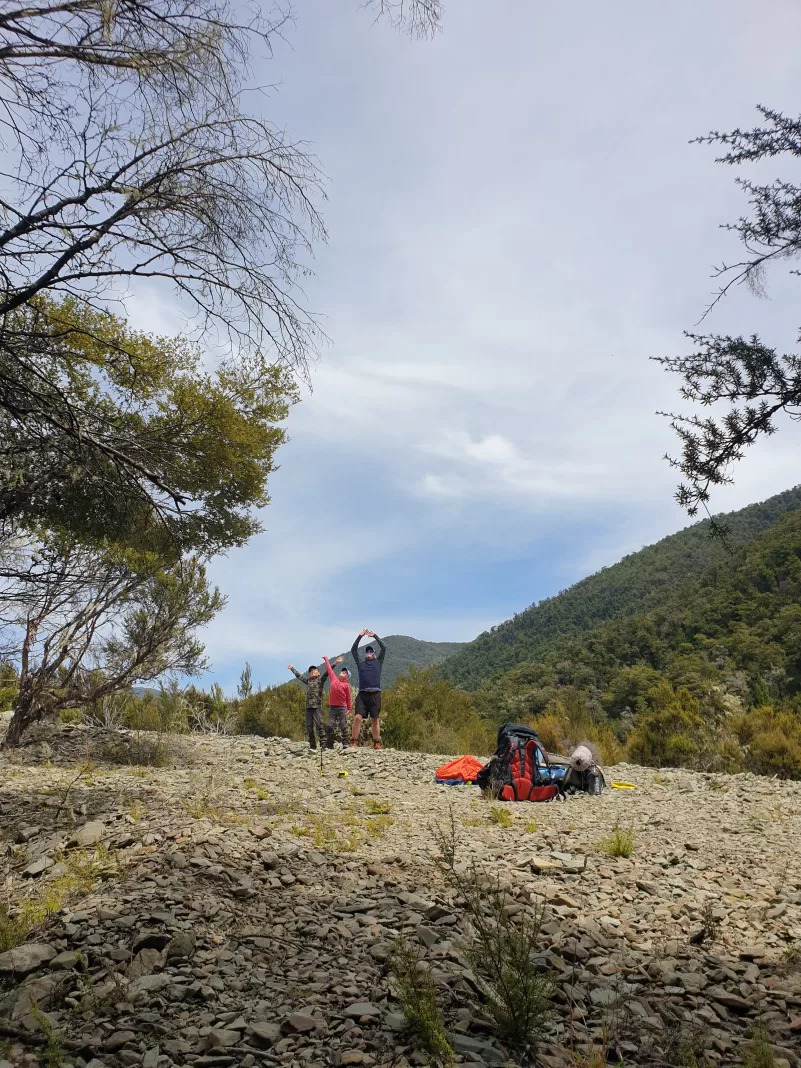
(581, 758)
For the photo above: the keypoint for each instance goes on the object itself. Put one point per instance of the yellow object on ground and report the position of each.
(622, 785)
(342, 775)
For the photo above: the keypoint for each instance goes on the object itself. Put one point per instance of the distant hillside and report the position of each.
(638, 583)
(404, 653)
(728, 643)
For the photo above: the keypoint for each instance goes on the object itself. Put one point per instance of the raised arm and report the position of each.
(383, 647)
(354, 649)
(298, 675)
(329, 669)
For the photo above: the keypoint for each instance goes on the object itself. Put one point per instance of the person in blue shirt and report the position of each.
(368, 700)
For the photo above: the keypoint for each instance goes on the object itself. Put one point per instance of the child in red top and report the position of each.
(339, 703)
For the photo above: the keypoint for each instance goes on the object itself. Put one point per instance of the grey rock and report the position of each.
(263, 1033)
(362, 1008)
(151, 1057)
(183, 945)
(38, 867)
(148, 984)
(299, 1022)
(219, 1038)
(66, 960)
(25, 959)
(604, 996)
(477, 1046)
(90, 834)
(118, 1040)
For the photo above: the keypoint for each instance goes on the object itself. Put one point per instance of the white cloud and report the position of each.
(506, 253)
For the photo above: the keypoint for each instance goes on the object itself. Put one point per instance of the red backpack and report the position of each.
(520, 769)
(525, 773)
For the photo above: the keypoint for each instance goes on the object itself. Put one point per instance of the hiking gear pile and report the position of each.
(522, 770)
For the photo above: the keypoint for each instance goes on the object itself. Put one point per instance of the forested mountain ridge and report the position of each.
(637, 583)
(710, 678)
(404, 653)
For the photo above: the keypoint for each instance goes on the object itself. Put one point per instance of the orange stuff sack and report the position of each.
(457, 772)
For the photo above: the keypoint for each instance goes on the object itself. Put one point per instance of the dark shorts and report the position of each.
(368, 703)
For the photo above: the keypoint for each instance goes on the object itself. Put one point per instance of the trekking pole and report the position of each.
(322, 746)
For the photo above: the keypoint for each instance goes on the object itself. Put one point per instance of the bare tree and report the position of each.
(84, 623)
(132, 155)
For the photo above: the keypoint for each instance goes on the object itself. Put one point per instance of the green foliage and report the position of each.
(130, 438)
(620, 843)
(682, 682)
(427, 714)
(418, 997)
(668, 728)
(757, 1051)
(772, 740)
(501, 817)
(277, 711)
(638, 583)
(503, 950)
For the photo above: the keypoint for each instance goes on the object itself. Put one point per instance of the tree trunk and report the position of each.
(25, 715)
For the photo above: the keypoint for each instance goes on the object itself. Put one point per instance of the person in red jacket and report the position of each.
(339, 703)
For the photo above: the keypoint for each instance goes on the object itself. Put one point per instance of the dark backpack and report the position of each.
(520, 769)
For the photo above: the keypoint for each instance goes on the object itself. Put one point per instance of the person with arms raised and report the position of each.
(368, 699)
(339, 703)
(314, 682)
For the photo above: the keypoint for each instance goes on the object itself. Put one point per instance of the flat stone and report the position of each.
(38, 867)
(299, 1022)
(263, 1033)
(151, 1057)
(362, 1008)
(90, 834)
(219, 1038)
(25, 959)
(148, 984)
(351, 1056)
(24, 834)
(118, 1040)
(68, 959)
(604, 996)
(396, 1021)
(485, 1050)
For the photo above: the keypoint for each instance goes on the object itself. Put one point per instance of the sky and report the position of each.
(517, 222)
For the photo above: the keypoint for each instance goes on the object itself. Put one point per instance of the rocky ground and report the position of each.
(239, 908)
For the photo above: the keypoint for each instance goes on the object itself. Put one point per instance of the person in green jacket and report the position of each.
(314, 681)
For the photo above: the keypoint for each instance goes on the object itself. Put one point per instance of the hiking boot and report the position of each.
(353, 745)
(377, 745)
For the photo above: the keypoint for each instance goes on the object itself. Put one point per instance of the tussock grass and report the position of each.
(501, 817)
(620, 843)
(83, 871)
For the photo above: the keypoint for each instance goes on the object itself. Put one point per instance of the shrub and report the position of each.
(501, 817)
(426, 714)
(772, 740)
(418, 998)
(277, 712)
(565, 724)
(503, 950)
(667, 733)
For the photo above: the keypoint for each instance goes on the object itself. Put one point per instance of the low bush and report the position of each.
(418, 997)
(504, 949)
